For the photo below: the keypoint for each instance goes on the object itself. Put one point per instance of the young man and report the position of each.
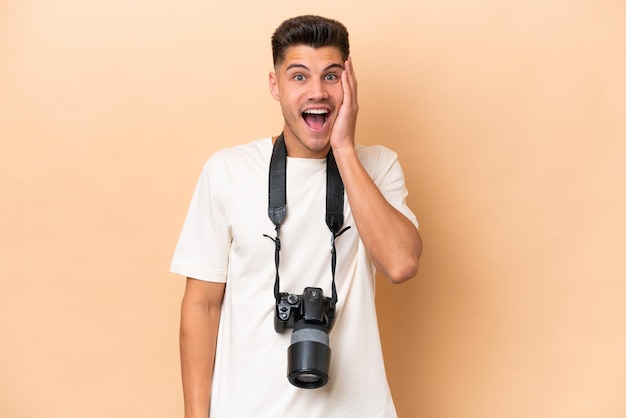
(234, 362)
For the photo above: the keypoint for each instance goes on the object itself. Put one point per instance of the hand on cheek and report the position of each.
(343, 132)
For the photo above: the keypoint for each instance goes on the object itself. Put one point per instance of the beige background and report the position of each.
(510, 121)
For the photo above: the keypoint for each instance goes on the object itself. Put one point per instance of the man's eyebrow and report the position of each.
(330, 67)
(333, 66)
(295, 65)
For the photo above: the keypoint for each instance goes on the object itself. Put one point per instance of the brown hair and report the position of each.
(314, 31)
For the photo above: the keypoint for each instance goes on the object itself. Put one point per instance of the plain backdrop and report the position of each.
(509, 119)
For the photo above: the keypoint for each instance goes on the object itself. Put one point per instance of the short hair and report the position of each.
(310, 30)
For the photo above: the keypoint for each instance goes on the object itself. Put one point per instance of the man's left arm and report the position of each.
(392, 241)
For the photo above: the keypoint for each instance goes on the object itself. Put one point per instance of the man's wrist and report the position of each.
(346, 150)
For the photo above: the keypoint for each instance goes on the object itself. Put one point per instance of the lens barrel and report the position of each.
(308, 356)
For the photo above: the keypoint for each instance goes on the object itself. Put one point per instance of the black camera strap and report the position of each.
(277, 208)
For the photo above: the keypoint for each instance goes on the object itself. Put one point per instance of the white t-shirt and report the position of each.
(223, 241)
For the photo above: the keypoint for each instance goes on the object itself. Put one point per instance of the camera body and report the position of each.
(311, 315)
(310, 306)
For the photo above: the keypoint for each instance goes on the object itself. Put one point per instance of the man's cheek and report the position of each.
(333, 119)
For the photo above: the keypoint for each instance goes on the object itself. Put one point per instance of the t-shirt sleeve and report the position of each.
(205, 240)
(384, 168)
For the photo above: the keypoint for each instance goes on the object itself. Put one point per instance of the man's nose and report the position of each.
(317, 90)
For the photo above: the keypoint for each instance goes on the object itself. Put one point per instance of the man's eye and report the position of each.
(330, 77)
(298, 77)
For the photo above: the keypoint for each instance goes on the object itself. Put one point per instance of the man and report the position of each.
(233, 361)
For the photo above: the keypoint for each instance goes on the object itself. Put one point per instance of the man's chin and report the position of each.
(318, 142)
(309, 143)
(316, 146)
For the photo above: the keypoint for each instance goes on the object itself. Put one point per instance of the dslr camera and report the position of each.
(311, 315)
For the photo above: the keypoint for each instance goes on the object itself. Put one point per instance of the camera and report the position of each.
(311, 315)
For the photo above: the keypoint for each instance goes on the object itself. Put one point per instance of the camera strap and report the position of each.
(277, 208)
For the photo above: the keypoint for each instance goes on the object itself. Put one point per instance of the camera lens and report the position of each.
(308, 356)
(308, 378)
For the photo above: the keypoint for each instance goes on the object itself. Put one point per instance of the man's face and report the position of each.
(308, 86)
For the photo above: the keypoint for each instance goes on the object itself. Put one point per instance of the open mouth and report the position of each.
(316, 118)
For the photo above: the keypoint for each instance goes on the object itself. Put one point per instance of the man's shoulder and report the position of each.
(373, 154)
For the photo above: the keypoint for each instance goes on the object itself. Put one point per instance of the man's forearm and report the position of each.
(198, 338)
(391, 239)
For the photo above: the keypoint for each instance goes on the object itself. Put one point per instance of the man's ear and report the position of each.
(274, 86)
